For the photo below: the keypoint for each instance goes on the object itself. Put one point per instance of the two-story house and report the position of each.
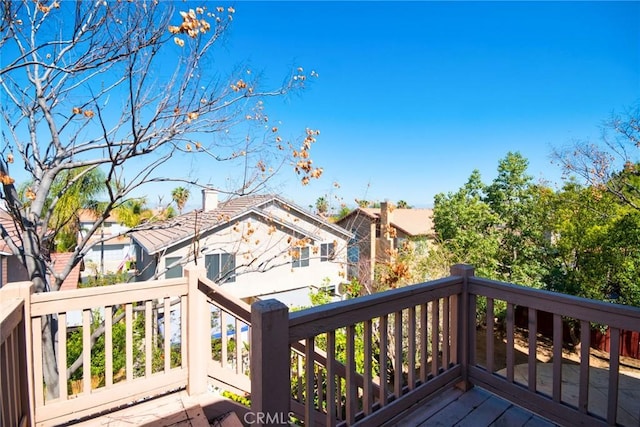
(109, 248)
(255, 246)
(379, 231)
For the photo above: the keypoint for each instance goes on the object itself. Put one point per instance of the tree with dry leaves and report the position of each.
(126, 88)
(611, 164)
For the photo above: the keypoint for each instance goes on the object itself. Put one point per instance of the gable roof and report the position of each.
(10, 226)
(59, 260)
(413, 222)
(161, 235)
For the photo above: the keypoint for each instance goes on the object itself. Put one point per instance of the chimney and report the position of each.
(385, 219)
(209, 199)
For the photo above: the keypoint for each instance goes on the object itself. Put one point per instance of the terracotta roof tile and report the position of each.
(414, 222)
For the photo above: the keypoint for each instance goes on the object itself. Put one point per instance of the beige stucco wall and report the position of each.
(263, 258)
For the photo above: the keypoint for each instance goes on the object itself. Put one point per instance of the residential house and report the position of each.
(256, 246)
(379, 231)
(109, 249)
(12, 270)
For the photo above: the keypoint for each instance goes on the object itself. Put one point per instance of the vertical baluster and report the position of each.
(129, 340)
(36, 333)
(309, 377)
(454, 325)
(167, 335)
(108, 346)
(331, 379)
(340, 405)
(445, 333)
(319, 387)
(489, 335)
(9, 386)
(411, 350)
(184, 341)
(614, 367)
(424, 343)
(148, 338)
(352, 387)
(367, 401)
(223, 339)
(473, 339)
(533, 348)
(62, 355)
(384, 343)
(583, 393)
(86, 351)
(299, 377)
(510, 343)
(557, 358)
(435, 335)
(238, 327)
(397, 373)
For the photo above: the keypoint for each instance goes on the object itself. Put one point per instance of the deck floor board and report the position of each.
(473, 408)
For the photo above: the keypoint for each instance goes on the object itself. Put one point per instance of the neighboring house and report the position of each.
(12, 270)
(108, 249)
(379, 231)
(257, 247)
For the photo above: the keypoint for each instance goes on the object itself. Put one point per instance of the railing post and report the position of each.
(24, 290)
(198, 333)
(270, 363)
(466, 321)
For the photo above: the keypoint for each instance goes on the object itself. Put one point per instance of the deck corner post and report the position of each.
(24, 290)
(198, 333)
(270, 363)
(465, 323)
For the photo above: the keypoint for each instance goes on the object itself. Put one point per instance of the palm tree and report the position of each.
(180, 195)
(322, 206)
(403, 205)
(78, 188)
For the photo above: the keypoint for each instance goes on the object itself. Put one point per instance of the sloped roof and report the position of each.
(59, 261)
(9, 225)
(160, 235)
(413, 222)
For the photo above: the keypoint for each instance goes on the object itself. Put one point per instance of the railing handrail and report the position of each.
(614, 315)
(76, 299)
(315, 320)
(232, 304)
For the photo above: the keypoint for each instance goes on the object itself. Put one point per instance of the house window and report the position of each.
(327, 251)
(221, 267)
(173, 266)
(300, 257)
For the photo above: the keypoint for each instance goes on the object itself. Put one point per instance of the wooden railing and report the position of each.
(413, 332)
(555, 401)
(154, 337)
(426, 337)
(14, 366)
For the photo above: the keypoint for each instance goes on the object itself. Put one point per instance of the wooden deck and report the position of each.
(173, 410)
(473, 408)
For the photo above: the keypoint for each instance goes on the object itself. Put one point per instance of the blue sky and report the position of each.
(412, 96)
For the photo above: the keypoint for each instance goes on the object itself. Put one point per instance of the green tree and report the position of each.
(513, 198)
(402, 205)
(612, 162)
(322, 205)
(65, 64)
(595, 244)
(180, 196)
(465, 226)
